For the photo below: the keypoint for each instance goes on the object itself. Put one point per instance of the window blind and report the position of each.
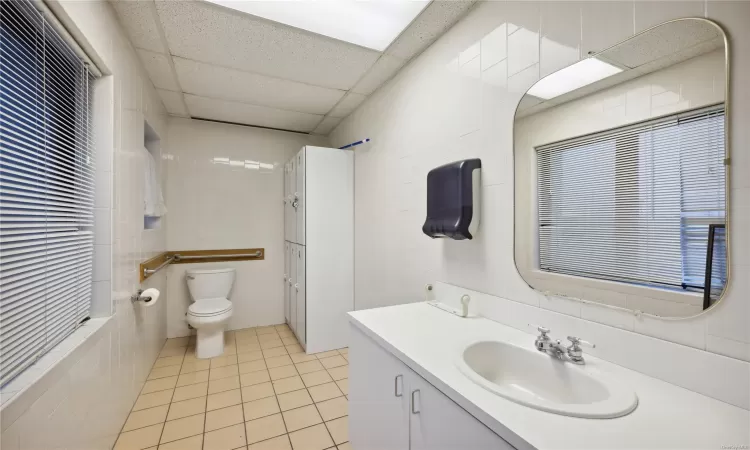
(46, 188)
(634, 204)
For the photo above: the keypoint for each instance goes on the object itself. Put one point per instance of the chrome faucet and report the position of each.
(572, 353)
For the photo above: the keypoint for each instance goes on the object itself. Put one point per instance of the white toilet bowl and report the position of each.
(210, 310)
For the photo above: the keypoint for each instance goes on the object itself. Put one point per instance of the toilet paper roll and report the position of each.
(150, 296)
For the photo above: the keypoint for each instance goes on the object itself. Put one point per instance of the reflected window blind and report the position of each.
(634, 204)
(46, 188)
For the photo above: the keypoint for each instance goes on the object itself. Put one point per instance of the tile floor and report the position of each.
(263, 393)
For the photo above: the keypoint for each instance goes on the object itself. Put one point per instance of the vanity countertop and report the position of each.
(430, 341)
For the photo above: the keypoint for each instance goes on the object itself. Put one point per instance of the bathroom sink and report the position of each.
(537, 380)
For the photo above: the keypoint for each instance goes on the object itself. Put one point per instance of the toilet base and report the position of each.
(209, 343)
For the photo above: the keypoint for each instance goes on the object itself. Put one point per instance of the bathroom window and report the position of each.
(635, 204)
(47, 188)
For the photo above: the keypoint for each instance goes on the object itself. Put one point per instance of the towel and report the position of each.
(153, 201)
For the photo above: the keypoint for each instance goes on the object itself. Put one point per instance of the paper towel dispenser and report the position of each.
(453, 200)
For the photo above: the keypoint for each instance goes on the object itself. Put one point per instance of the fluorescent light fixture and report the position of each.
(370, 23)
(573, 77)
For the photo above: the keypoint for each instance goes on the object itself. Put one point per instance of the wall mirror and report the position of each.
(621, 174)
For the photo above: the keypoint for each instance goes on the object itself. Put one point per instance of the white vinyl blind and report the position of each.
(46, 188)
(634, 204)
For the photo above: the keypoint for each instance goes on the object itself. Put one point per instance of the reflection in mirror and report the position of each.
(620, 186)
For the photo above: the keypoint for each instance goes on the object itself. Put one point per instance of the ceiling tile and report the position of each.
(209, 108)
(157, 66)
(139, 21)
(327, 125)
(385, 68)
(347, 105)
(204, 32)
(218, 82)
(428, 26)
(173, 102)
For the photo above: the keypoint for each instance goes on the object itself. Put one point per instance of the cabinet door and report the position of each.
(437, 423)
(292, 290)
(287, 265)
(292, 224)
(300, 186)
(378, 396)
(301, 297)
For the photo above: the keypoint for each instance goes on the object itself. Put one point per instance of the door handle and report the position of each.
(296, 286)
(398, 387)
(416, 408)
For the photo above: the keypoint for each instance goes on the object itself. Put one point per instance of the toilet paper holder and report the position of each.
(137, 297)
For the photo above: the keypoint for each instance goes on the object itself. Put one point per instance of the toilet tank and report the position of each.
(210, 283)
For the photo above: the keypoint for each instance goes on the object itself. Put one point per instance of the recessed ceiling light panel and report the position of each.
(573, 77)
(370, 23)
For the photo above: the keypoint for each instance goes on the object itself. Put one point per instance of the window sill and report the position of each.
(20, 393)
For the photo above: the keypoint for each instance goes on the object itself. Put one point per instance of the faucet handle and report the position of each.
(577, 341)
(539, 328)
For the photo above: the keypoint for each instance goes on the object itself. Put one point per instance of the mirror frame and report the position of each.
(727, 184)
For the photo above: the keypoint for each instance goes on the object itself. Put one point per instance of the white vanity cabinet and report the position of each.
(393, 408)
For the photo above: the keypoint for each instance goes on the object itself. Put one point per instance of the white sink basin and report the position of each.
(537, 380)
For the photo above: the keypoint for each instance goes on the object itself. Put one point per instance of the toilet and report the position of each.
(210, 309)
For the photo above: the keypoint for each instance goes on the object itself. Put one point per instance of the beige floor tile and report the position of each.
(161, 384)
(163, 372)
(333, 361)
(277, 443)
(195, 366)
(146, 417)
(278, 361)
(344, 351)
(271, 352)
(286, 333)
(146, 401)
(168, 361)
(225, 438)
(302, 357)
(327, 354)
(249, 356)
(223, 399)
(178, 410)
(285, 385)
(339, 429)
(345, 446)
(264, 428)
(313, 438)
(177, 342)
(309, 366)
(182, 428)
(295, 399)
(251, 378)
(191, 443)
(339, 373)
(316, 378)
(261, 408)
(244, 340)
(303, 417)
(325, 392)
(224, 384)
(140, 438)
(175, 351)
(245, 332)
(268, 337)
(224, 417)
(252, 366)
(230, 350)
(343, 385)
(191, 391)
(187, 379)
(333, 408)
(278, 373)
(294, 348)
(221, 361)
(265, 330)
(256, 391)
(223, 372)
(271, 344)
(289, 341)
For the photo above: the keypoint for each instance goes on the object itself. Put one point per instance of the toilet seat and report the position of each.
(209, 307)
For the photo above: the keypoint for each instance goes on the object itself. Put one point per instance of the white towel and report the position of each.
(153, 201)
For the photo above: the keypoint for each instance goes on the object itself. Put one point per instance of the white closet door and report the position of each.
(301, 197)
(292, 223)
(301, 298)
(287, 266)
(286, 200)
(290, 286)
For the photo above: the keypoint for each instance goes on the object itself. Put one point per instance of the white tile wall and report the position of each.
(83, 400)
(218, 206)
(416, 113)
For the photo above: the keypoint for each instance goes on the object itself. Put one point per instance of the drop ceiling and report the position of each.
(211, 62)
